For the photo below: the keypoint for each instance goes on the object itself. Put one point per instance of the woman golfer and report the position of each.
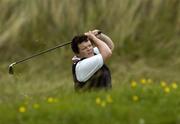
(92, 50)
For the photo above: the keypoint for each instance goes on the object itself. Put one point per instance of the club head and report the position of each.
(11, 71)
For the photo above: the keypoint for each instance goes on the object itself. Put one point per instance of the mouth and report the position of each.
(89, 54)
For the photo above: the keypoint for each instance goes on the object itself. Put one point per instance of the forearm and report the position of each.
(107, 40)
(103, 48)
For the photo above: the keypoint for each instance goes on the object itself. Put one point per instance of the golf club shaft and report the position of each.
(40, 53)
(45, 51)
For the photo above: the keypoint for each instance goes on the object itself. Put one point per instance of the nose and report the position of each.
(89, 48)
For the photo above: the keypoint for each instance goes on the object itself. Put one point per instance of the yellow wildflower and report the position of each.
(166, 89)
(98, 101)
(109, 98)
(133, 84)
(36, 106)
(174, 85)
(22, 109)
(103, 103)
(50, 99)
(143, 81)
(163, 84)
(135, 98)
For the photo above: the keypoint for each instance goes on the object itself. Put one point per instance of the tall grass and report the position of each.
(139, 28)
(145, 32)
(146, 102)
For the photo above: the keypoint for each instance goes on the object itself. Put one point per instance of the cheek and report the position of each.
(92, 48)
(82, 52)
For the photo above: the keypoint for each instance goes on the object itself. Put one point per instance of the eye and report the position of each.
(83, 48)
(90, 45)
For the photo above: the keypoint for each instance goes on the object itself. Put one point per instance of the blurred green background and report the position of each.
(146, 34)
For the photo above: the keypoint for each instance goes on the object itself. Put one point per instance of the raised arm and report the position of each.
(104, 38)
(104, 49)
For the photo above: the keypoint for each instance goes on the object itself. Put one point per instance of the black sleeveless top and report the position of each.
(100, 80)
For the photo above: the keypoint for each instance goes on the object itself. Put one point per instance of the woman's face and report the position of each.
(85, 50)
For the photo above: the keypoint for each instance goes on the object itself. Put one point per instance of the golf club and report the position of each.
(11, 71)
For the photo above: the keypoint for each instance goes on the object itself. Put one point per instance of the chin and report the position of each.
(89, 56)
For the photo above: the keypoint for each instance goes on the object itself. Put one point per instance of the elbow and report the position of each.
(109, 54)
(112, 48)
(79, 75)
(81, 79)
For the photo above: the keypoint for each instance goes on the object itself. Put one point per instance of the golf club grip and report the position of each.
(42, 52)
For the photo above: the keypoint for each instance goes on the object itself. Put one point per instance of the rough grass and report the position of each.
(146, 37)
(145, 102)
(139, 95)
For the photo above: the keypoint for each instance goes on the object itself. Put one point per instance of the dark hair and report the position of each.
(78, 40)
